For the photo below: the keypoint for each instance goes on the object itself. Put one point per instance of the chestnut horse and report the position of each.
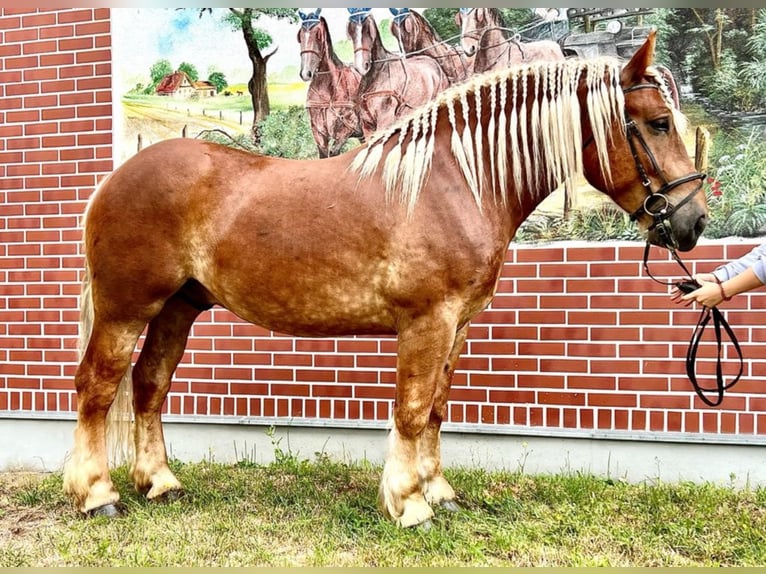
(404, 235)
(483, 35)
(392, 85)
(416, 36)
(331, 97)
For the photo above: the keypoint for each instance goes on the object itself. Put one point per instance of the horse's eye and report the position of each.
(660, 124)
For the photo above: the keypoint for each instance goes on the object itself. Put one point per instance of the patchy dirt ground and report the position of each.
(16, 519)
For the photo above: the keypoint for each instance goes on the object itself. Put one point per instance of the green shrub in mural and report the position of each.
(287, 133)
(737, 185)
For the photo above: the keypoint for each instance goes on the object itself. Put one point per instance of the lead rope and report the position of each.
(720, 324)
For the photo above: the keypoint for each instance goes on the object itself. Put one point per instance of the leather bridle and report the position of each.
(656, 204)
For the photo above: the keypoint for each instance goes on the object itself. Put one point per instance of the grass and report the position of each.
(323, 513)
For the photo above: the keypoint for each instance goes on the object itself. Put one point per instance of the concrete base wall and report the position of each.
(42, 445)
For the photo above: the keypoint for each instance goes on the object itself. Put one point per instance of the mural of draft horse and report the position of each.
(404, 235)
(484, 36)
(391, 85)
(331, 97)
(416, 36)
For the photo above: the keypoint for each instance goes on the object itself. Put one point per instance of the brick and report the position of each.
(553, 365)
(59, 59)
(75, 44)
(11, 131)
(333, 361)
(10, 77)
(96, 166)
(24, 89)
(540, 381)
(91, 84)
(25, 34)
(593, 382)
(39, 74)
(292, 389)
(561, 398)
(542, 348)
(40, 129)
(45, 101)
(92, 28)
(59, 114)
(336, 391)
(79, 71)
(612, 400)
(10, 103)
(57, 86)
(93, 56)
(73, 16)
(511, 396)
(9, 23)
(23, 143)
(76, 99)
(41, 47)
(315, 375)
(56, 32)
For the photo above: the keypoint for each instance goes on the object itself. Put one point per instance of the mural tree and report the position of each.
(257, 40)
(159, 70)
(719, 52)
(190, 70)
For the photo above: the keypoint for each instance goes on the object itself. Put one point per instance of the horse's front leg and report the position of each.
(424, 349)
(436, 488)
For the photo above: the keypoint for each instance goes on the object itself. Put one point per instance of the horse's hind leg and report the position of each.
(106, 360)
(424, 349)
(436, 488)
(161, 352)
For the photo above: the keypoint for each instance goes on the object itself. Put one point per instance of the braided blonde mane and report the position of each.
(534, 108)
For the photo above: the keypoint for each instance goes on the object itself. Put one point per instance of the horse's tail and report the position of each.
(119, 419)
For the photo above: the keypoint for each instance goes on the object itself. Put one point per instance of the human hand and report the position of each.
(709, 294)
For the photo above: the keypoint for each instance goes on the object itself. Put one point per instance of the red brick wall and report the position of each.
(575, 339)
(55, 143)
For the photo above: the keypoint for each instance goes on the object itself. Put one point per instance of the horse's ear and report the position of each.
(635, 70)
(459, 19)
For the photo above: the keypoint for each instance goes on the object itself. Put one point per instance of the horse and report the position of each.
(416, 36)
(331, 97)
(391, 85)
(483, 35)
(404, 235)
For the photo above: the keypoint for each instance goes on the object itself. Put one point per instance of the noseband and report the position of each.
(656, 204)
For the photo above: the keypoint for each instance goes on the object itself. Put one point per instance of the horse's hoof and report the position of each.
(108, 510)
(169, 496)
(451, 506)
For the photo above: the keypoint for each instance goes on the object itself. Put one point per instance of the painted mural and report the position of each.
(314, 82)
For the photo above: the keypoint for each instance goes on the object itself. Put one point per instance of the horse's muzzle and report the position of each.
(675, 233)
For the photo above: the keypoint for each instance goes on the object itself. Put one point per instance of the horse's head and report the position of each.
(473, 22)
(651, 174)
(312, 37)
(405, 29)
(363, 32)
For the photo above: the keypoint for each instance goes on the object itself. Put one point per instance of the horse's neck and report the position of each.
(495, 50)
(331, 63)
(427, 39)
(378, 50)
